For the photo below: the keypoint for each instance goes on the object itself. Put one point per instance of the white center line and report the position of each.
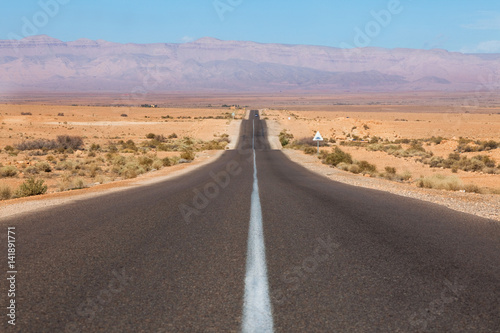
(257, 313)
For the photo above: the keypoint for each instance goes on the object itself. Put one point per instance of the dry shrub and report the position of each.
(441, 182)
(31, 187)
(310, 150)
(5, 192)
(8, 171)
(188, 155)
(338, 156)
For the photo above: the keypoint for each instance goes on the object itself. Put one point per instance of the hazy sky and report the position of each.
(459, 25)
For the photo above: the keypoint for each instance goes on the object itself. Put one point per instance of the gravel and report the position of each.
(484, 205)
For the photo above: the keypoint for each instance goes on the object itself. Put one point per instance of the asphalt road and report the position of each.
(172, 257)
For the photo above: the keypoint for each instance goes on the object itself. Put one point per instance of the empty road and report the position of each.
(252, 242)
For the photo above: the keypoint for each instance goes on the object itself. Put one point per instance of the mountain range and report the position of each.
(43, 63)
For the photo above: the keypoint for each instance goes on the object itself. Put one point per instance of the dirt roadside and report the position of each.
(484, 205)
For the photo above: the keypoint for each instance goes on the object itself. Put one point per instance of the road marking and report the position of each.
(257, 313)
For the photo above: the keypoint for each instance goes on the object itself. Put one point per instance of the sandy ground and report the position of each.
(391, 122)
(101, 124)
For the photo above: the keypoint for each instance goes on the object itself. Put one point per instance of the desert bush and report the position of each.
(364, 166)
(172, 136)
(8, 171)
(167, 162)
(338, 156)
(416, 149)
(490, 144)
(118, 160)
(112, 148)
(436, 140)
(69, 184)
(64, 165)
(124, 115)
(473, 165)
(157, 164)
(130, 170)
(405, 176)
(492, 171)
(70, 142)
(343, 166)
(488, 162)
(457, 162)
(390, 170)
(354, 168)
(78, 184)
(5, 192)
(471, 188)
(94, 169)
(31, 187)
(441, 182)
(168, 147)
(285, 137)
(188, 155)
(310, 150)
(466, 145)
(214, 145)
(37, 144)
(32, 170)
(43, 167)
(62, 143)
(308, 142)
(128, 145)
(145, 161)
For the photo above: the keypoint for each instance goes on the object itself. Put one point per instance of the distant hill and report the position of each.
(42, 63)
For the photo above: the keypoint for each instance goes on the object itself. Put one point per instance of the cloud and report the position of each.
(491, 46)
(187, 39)
(486, 21)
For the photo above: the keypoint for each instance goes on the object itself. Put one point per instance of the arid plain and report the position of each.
(414, 139)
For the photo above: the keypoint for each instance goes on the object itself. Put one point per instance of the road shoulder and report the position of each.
(483, 205)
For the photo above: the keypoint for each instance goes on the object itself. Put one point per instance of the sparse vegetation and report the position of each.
(415, 149)
(468, 146)
(449, 183)
(479, 163)
(310, 150)
(63, 142)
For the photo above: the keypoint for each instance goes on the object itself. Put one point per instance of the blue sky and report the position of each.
(460, 25)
